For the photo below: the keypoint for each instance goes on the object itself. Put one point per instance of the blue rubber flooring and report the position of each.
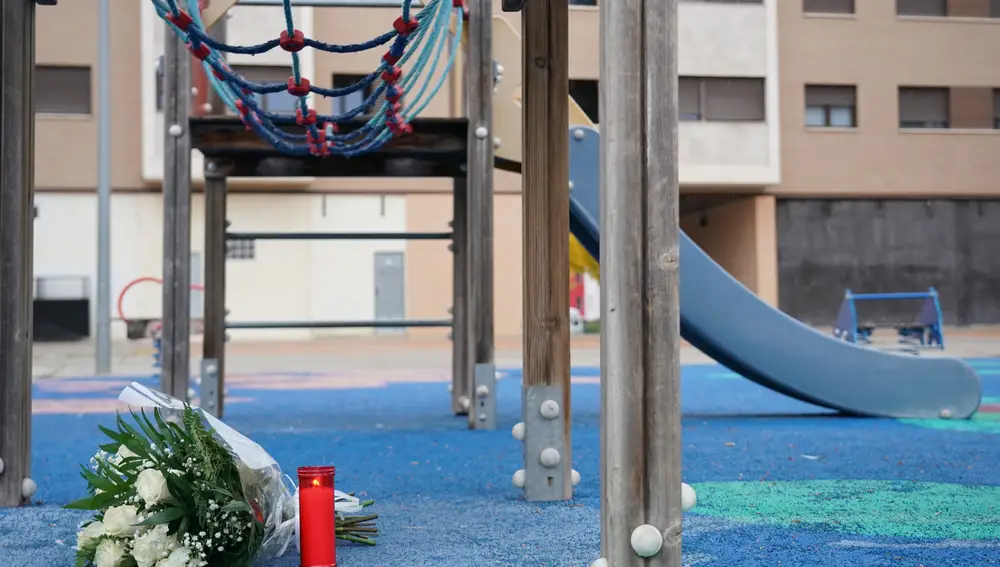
(779, 482)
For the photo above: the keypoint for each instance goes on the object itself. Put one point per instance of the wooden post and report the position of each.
(176, 329)
(479, 86)
(461, 367)
(640, 311)
(17, 167)
(545, 182)
(213, 385)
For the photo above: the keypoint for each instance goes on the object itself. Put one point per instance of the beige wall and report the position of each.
(741, 236)
(66, 147)
(428, 263)
(878, 52)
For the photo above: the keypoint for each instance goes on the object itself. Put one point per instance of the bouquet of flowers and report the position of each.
(179, 488)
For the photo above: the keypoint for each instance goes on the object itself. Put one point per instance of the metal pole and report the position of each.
(640, 386)
(17, 166)
(214, 345)
(176, 330)
(461, 367)
(545, 206)
(103, 299)
(479, 85)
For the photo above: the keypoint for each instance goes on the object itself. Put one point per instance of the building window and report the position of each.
(586, 93)
(62, 90)
(922, 7)
(829, 106)
(280, 102)
(718, 99)
(996, 109)
(583, 2)
(995, 8)
(347, 103)
(828, 6)
(241, 249)
(923, 107)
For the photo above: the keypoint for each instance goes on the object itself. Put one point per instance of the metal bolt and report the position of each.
(175, 130)
(549, 409)
(482, 391)
(211, 167)
(496, 142)
(571, 185)
(482, 132)
(578, 134)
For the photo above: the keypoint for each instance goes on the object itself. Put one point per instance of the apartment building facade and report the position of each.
(729, 141)
(890, 137)
(824, 144)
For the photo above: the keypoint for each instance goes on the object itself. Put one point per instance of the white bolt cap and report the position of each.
(519, 478)
(646, 540)
(549, 409)
(482, 132)
(482, 417)
(496, 142)
(518, 431)
(946, 413)
(599, 562)
(499, 69)
(206, 107)
(549, 457)
(194, 91)
(175, 130)
(482, 391)
(191, 393)
(464, 402)
(570, 185)
(28, 488)
(1, 466)
(688, 497)
(578, 134)
(574, 477)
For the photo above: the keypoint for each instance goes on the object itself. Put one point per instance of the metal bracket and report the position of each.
(484, 390)
(210, 392)
(543, 434)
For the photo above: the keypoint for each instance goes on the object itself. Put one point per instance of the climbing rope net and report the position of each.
(408, 71)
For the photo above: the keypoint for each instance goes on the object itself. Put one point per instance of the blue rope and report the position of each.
(236, 92)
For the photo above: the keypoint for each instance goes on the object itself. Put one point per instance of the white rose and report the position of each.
(152, 546)
(91, 532)
(109, 553)
(177, 558)
(122, 454)
(151, 486)
(120, 521)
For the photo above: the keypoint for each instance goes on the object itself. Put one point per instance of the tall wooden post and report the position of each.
(213, 364)
(461, 367)
(640, 312)
(545, 182)
(176, 330)
(17, 172)
(479, 88)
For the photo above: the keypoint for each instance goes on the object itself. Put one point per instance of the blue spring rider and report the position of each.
(924, 332)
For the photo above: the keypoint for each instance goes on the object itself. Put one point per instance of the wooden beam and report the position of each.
(215, 10)
(479, 86)
(545, 123)
(17, 166)
(640, 309)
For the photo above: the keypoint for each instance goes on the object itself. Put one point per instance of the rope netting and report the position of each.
(408, 71)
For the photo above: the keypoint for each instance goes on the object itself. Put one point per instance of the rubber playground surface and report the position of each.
(779, 482)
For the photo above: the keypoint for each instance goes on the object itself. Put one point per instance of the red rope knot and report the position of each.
(390, 58)
(317, 142)
(292, 43)
(182, 20)
(201, 51)
(398, 127)
(300, 89)
(307, 119)
(405, 28)
(392, 74)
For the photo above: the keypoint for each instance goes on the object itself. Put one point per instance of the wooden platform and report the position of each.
(436, 148)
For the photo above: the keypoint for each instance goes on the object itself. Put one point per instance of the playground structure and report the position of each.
(924, 331)
(631, 216)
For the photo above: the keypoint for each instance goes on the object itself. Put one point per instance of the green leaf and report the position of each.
(94, 502)
(148, 429)
(110, 447)
(98, 481)
(114, 435)
(164, 516)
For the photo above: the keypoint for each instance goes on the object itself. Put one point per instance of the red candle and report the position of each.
(317, 531)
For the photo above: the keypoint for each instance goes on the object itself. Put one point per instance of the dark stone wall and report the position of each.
(827, 246)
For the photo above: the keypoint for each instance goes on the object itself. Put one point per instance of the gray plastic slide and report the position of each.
(726, 321)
